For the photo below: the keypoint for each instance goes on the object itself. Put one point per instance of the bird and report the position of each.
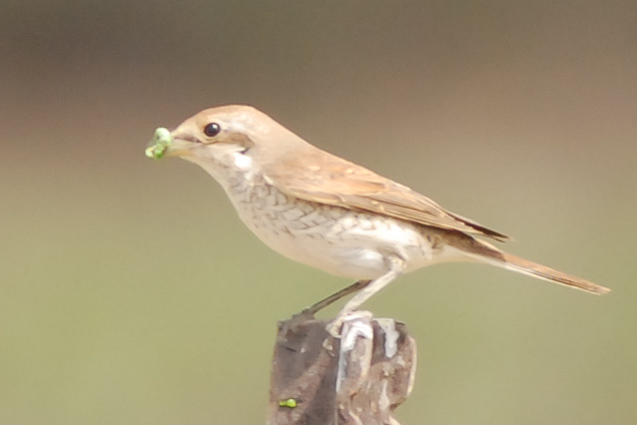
(329, 213)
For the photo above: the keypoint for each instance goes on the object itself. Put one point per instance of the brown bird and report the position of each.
(329, 213)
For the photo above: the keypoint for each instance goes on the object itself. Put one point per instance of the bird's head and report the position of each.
(214, 135)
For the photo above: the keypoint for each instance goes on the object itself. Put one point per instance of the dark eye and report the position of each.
(212, 129)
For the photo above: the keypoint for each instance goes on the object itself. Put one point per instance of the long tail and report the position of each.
(485, 252)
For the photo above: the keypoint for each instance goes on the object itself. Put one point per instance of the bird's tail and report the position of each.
(487, 253)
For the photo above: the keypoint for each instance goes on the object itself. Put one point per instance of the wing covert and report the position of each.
(318, 176)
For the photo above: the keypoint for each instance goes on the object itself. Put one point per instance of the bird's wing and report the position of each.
(318, 176)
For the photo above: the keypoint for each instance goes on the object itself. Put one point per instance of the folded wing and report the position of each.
(321, 177)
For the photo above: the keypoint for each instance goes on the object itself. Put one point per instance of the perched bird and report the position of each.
(321, 210)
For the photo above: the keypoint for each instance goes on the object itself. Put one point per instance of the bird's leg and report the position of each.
(354, 287)
(396, 266)
(309, 312)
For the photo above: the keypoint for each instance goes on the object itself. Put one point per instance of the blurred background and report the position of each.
(130, 293)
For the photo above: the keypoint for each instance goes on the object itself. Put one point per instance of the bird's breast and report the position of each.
(334, 239)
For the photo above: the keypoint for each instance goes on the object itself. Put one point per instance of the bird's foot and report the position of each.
(294, 323)
(335, 327)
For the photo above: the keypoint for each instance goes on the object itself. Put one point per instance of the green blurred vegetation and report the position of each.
(131, 294)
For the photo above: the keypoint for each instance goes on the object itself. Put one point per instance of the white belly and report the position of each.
(339, 241)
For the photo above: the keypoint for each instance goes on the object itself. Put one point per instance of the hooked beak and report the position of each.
(164, 144)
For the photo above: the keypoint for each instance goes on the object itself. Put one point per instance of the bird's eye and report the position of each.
(212, 129)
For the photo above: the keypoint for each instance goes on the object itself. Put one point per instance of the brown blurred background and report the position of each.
(130, 293)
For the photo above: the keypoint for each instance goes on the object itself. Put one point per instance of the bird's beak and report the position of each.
(164, 144)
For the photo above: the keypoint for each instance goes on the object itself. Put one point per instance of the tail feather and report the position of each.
(485, 252)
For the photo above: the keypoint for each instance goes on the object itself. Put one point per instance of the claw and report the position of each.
(335, 327)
